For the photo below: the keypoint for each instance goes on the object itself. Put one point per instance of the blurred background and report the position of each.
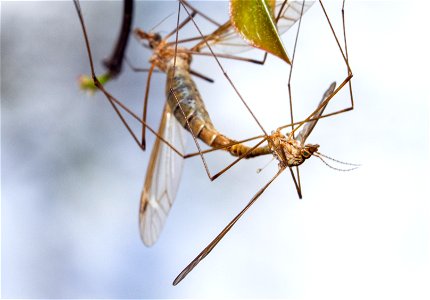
(71, 176)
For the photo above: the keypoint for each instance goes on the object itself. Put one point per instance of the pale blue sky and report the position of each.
(71, 176)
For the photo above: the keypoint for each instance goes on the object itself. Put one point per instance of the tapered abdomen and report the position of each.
(187, 104)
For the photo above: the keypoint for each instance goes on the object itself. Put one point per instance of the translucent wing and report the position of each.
(309, 126)
(226, 40)
(162, 179)
(290, 13)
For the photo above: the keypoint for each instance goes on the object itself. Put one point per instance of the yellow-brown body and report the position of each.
(187, 105)
(188, 108)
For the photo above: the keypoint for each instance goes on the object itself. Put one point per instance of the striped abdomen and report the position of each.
(194, 110)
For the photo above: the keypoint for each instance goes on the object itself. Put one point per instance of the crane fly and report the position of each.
(185, 103)
(185, 108)
(290, 152)
(170, 59)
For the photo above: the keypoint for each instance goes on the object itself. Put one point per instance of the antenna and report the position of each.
(320, 156)
(261, 169)
(161, 22)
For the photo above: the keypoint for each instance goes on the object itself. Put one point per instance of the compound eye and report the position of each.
(306, 154)
(157, 37)
(154, 39)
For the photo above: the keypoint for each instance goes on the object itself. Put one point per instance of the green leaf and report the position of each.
(255, 21)
(86, 82)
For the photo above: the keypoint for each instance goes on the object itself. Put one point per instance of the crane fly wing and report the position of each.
(290, 13)
(228, 41)
(224, 39)
(309, 126)
(162, 178)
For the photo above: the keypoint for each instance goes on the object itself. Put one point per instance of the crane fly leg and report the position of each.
(227, 56)
(347, 80)
(191, 17)
(226, 76)
(144, 70)
(200, 13)
(297, 182)
(110, 98)
(116, 104)
(219, 237)
(145, 105)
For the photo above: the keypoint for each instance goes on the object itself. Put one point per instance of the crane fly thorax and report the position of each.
(163, 53)
(289, 151)
(164, 58)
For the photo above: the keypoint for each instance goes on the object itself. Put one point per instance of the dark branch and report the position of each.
(114, 62)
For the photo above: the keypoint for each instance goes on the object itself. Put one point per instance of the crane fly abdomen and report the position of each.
(241, 149)
(187, 105)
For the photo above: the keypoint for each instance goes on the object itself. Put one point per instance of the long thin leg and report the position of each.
(237, 160)
(296, 183)
(345, 58)
(290, 97)
(226, 75)
(324, 103)
(145, 104)
(255, 137)
(112, 100)
(150, 71)
(220, 55)
(191, 16)
(186, 118)
(96, 81)
(346, 54)
(148, 83)
(172, 92)
(261, 62)
(200, 152)
(347, 80)
(194, 13)
(144, 70)
(138, 69)
(194, 50)
(219, 237)
(334, 34)
(180, 26)
(116, 103)
(201, 14)
(177, 100)
(211, 246)
(187, 40)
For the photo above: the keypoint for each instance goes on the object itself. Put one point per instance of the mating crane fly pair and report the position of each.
(185, 108)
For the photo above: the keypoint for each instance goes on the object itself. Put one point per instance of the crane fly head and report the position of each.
(154, 39)
(309, 149)
(289, 151)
